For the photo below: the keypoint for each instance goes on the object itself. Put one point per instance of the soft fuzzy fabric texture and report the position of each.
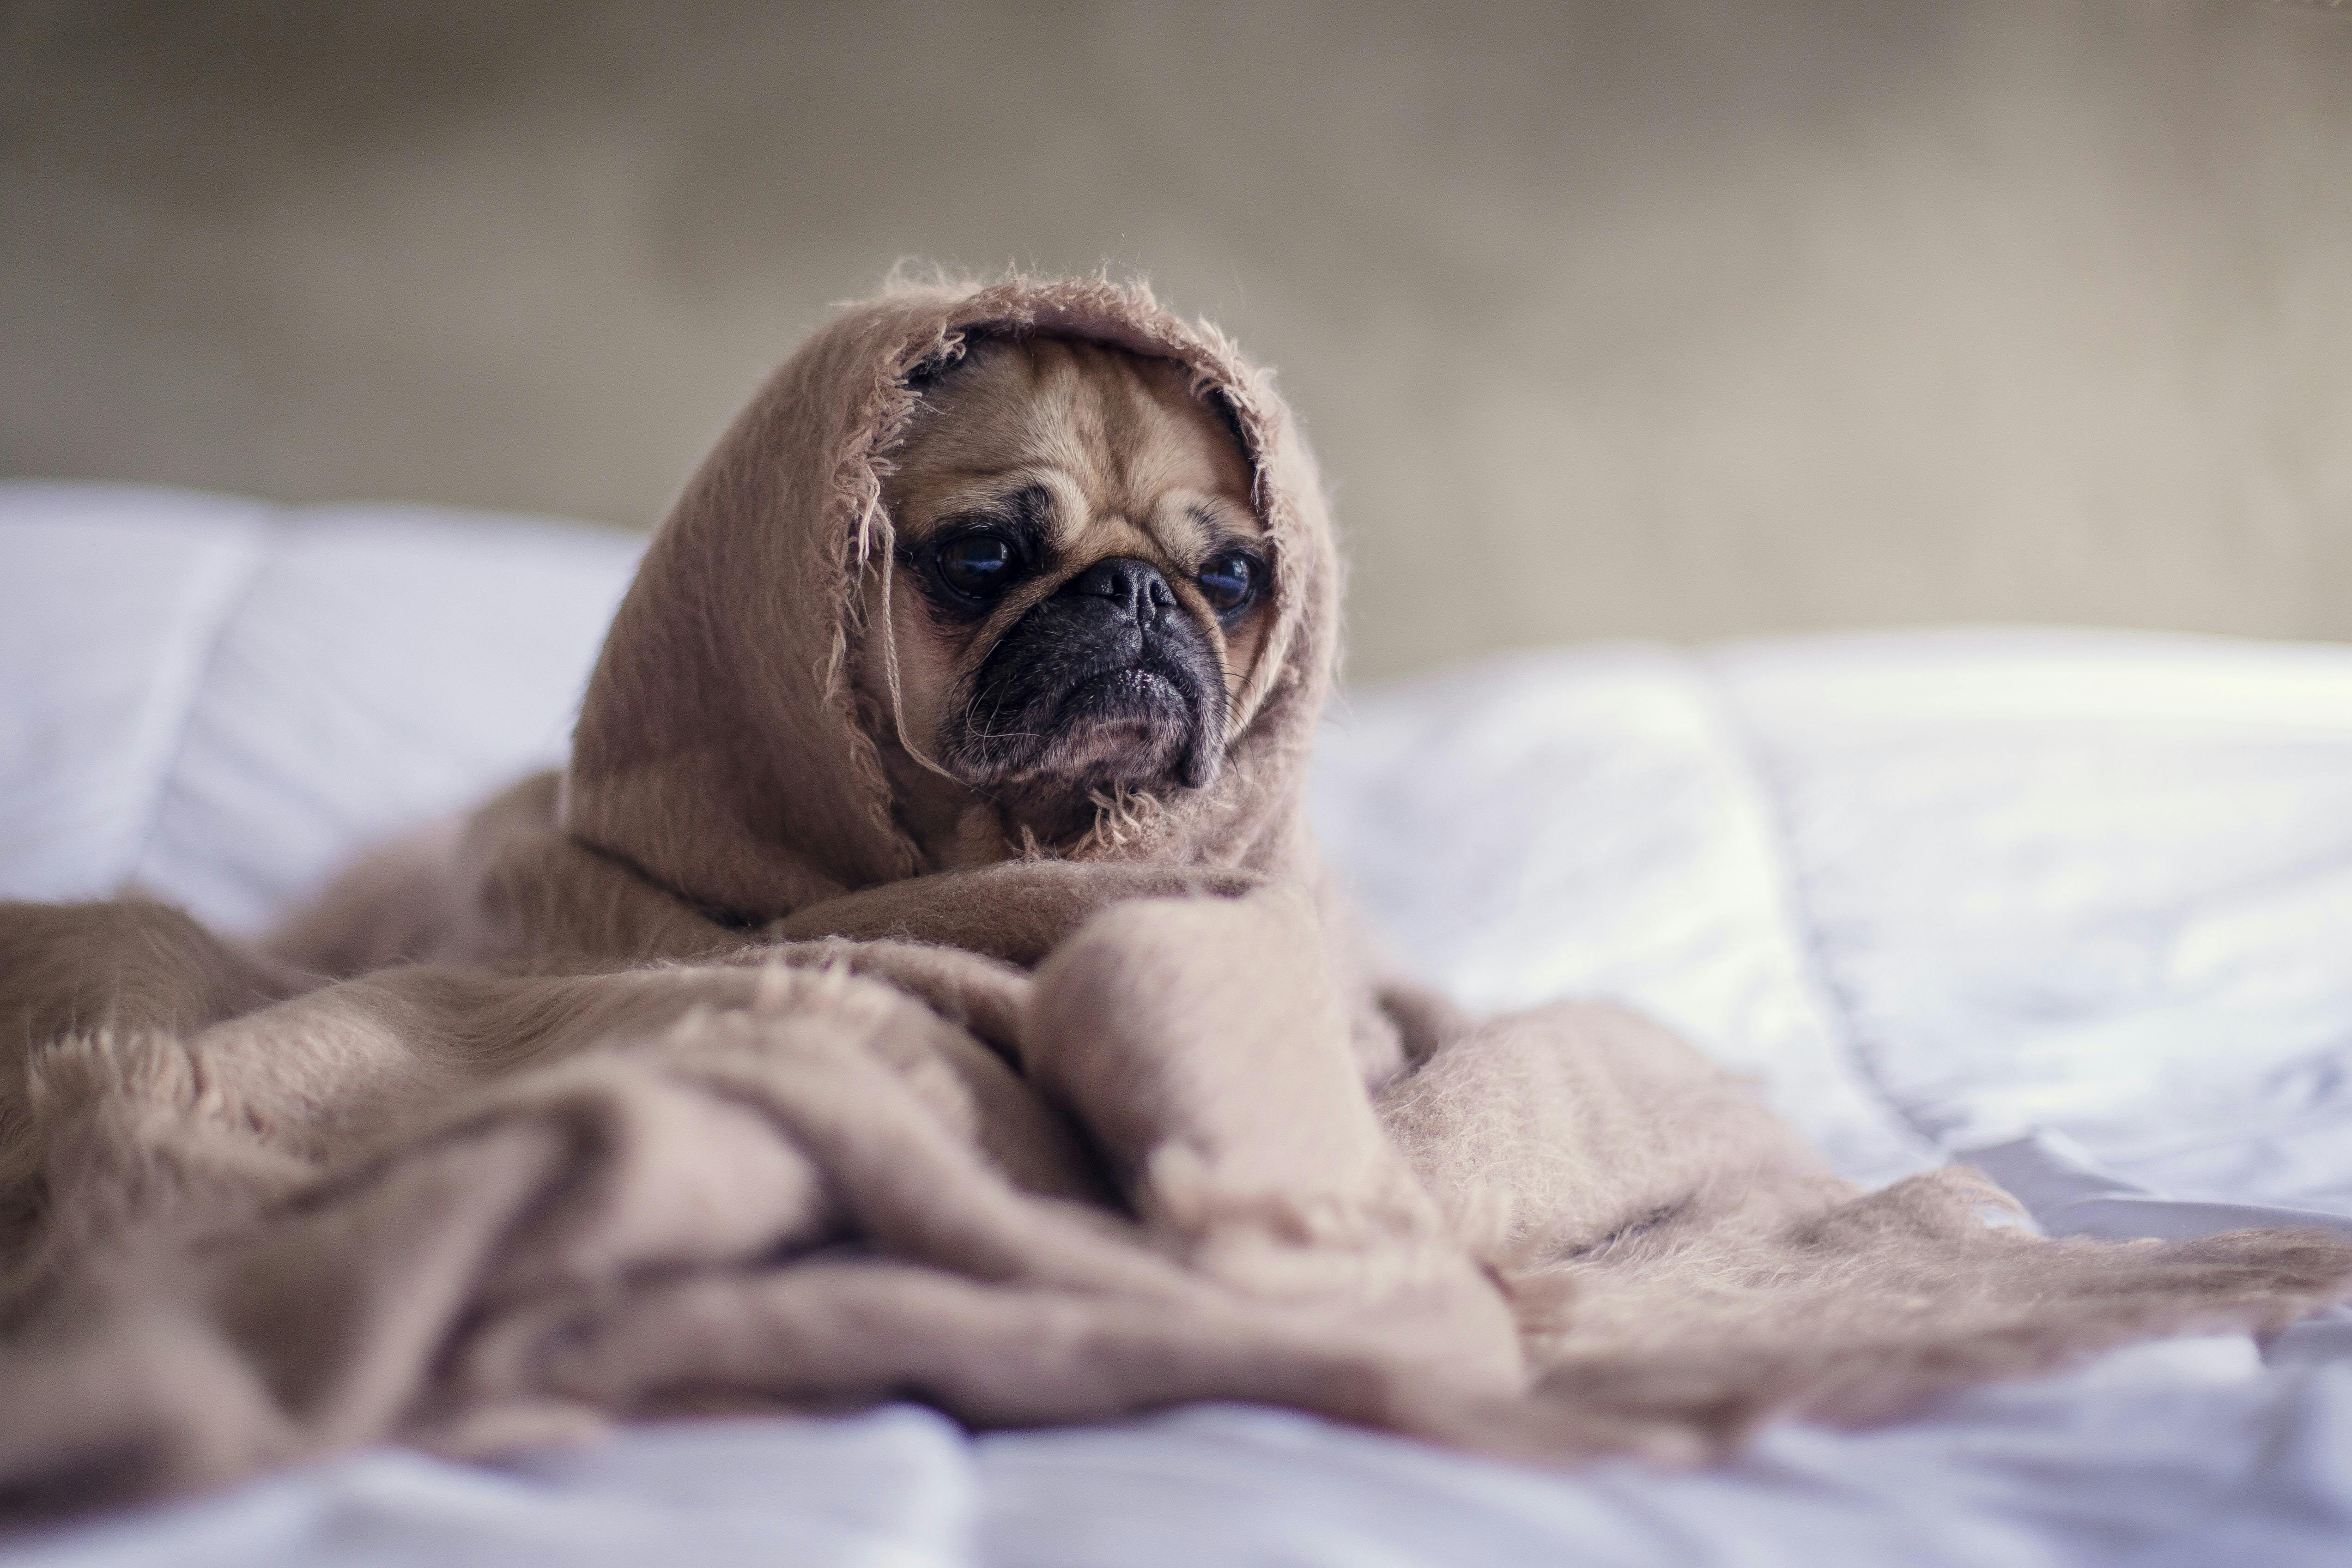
(682, 1083)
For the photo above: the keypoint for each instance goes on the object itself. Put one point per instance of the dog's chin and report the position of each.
(1133, 724)
(1125, 727)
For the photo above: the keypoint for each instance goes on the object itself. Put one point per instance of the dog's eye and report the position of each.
(1230, 581)
(979, 566)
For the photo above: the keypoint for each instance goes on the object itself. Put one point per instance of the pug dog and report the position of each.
(1078, 593)
(1078, 590)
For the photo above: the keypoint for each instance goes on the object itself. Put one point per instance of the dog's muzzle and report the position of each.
(1109, 680)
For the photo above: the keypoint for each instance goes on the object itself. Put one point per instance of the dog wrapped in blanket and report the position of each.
(922, 984)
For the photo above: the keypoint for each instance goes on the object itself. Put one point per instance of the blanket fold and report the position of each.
(633, 1099)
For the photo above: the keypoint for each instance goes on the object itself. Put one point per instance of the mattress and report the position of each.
(2074, 906)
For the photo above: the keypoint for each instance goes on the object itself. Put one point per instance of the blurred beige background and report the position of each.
(1667, 319)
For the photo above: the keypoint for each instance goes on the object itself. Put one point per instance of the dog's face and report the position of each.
(1081, 582)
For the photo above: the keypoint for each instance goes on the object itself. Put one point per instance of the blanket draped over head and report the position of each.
(653, 1092)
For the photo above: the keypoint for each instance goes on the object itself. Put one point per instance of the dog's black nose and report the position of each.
(1135, 586)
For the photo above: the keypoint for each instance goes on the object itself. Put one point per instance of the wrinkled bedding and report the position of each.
(2076, 903)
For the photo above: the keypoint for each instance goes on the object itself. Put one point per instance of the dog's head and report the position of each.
(909, 617)
(1080, 583)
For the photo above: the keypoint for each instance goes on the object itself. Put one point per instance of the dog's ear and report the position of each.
(1229, 419)
(924, 374)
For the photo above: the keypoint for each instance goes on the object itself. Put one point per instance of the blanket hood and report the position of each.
(720, 751)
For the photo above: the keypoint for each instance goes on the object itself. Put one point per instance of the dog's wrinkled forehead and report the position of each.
(1094, 450)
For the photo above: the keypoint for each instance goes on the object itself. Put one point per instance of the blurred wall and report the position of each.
(1614, 317)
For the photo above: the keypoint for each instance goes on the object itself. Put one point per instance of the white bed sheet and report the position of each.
(2078, 904)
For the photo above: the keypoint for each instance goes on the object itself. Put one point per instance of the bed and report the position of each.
(2074, 907)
